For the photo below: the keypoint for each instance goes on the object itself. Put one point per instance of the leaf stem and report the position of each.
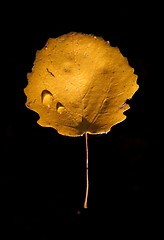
(87, 178)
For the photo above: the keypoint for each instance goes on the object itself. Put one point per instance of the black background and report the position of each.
(43, 173)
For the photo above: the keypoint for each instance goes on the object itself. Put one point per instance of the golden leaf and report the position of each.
(80, 84)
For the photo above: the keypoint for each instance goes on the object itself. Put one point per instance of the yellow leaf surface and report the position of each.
(79, 83)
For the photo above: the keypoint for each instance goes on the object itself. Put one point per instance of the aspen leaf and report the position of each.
(79, 84)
